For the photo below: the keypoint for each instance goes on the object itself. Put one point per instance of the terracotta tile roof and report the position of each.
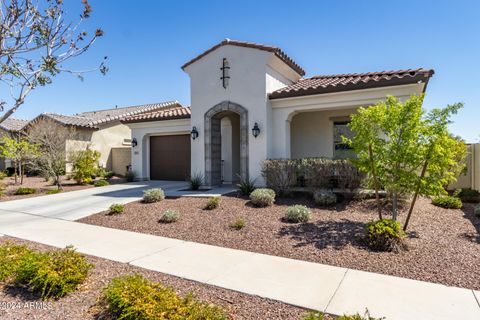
(277, 51)
(178, 112)
(352, 81)
(13, 124)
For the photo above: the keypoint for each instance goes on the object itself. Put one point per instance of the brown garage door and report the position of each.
(170, 157)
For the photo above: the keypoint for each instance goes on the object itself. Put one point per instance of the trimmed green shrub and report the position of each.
(212, 203)
(116, 208)
(53, 191)
(385, 235)
(85, 165)
(130, 176)
(447, 202)
(280, 175)
(101, 183)
(262, 197)
(238, 224)
(25, 190)
(196, 181)
(469, 195)
(297, 213)
(246, 186)
(477, 211)
(324, 198)
(10, 257)
(170, 216)
(132, 297)
(153, 195)
(53, 274)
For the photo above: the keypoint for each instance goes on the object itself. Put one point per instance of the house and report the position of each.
(10, 127)
(102, 130)
(251, 102)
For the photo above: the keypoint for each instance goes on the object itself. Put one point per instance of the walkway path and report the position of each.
(305, 284)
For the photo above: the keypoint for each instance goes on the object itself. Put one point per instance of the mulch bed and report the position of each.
(83, 304)
(444, 245)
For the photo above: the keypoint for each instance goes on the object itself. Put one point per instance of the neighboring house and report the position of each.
(102, 130)
(10, 127)
(249, 103)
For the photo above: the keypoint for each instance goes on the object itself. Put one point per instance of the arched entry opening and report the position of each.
(226, 143)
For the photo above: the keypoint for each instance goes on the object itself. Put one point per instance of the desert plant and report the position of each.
(297, 213)
(85, 165)
(212, 203)
(54, 273)
(25, 190)
(134, 297)
(246, 186)
(130, 176)
(153, 195)
(238, 224)
(116, 208)
(101, 183)
(196, 181)
(262, 197)
(469, 195)
(169, 216)
(385, 235)
(324, 198)
(10, 257)
(447, 202)
(477, 211)
(280, 174)
(53, 191)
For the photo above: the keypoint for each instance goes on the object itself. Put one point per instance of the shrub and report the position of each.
(130, 176)
(116, 208)
(212, 203)
(85, 165)
(101, 183)
(53, 273)
(153, 195)
(133, 297)
(102, 172)
(238, 224)
(325, 173)
(246, 186)
(170, 216)
(297, 213)
(477, 211)
(10, 257)
(315, 315)
(25, 190)
(53, 191)
(3, 175)
(447, 202)
(262, 197)
(324, 198)
(196, 181)
(469, 195)
(280, 175)
(385, 235)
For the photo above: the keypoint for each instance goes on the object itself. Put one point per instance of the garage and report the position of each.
(170, 157)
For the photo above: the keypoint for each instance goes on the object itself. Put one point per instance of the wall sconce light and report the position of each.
(225, 73)
(194, 133)
(134, 142)
(255, 130)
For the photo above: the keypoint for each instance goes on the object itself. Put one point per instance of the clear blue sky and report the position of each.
(148, 41)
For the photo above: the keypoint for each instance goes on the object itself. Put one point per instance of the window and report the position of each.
(341, 150)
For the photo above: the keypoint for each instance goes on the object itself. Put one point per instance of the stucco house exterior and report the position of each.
(11, 127)
(251, 102)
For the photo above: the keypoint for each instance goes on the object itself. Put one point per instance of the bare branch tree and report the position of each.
(36, 41)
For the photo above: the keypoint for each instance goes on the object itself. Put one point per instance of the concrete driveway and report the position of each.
(74, 205)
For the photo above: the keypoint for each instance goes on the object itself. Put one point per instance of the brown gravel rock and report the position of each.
(444, 244)
(83, 304)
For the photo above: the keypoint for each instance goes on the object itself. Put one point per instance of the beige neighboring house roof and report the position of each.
(92, 119)
(13, 124)
(175, 112)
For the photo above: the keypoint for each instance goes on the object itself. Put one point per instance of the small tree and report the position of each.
(51, 138)
(20, 151)
(85, 165)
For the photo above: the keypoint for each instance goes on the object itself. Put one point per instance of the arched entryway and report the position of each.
(237, 117)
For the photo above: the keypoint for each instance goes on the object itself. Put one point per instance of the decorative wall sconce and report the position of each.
(194, 133)
(225, 73)
(134, 142)
(255, 130)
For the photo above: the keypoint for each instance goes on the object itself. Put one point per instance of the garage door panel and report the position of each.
(170, 157)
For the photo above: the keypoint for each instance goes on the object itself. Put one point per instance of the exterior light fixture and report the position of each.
(225, 73)
(194, 133)
(134, 142)
(255, 130)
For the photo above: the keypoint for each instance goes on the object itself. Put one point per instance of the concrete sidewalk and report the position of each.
(315, 286)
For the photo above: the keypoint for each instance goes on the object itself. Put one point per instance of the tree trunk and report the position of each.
(15, 172)
(59, 183)
(22, 172)
(417, 190)
(394, 206)
(375, 181)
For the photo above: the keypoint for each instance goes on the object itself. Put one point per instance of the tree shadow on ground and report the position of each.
(326, 234)
(469, 213)
(22, 293)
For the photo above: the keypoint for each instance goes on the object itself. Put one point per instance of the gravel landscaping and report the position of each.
(444, 245)
(83, 304)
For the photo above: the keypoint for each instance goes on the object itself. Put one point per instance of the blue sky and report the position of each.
(147, 42)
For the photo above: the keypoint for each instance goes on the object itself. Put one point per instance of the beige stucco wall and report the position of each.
(121, 158)
(476, 166)
(312, 133)
(470, 178)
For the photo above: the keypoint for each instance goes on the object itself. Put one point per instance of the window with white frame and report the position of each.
(341, 150)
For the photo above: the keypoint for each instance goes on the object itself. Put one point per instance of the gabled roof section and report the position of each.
(176, 112)
(277, 51)
(13, 124)
(352, 81)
